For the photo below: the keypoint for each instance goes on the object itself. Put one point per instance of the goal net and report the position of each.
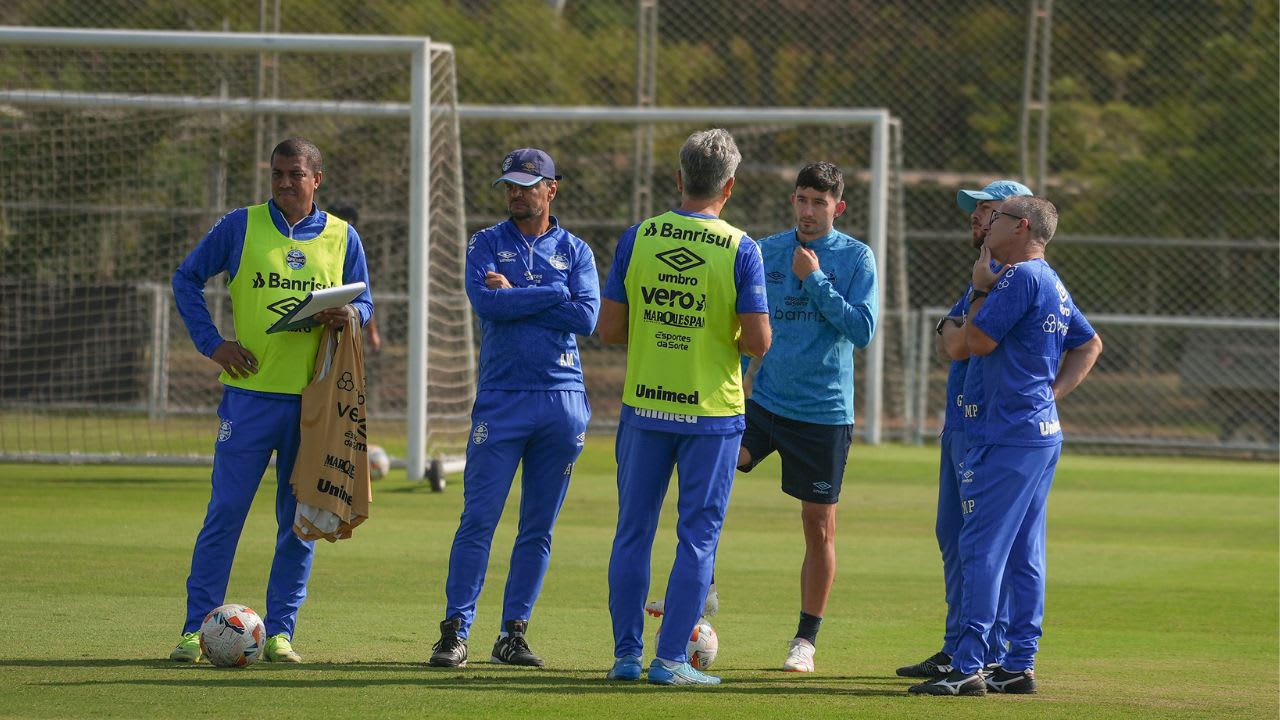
(119, 150)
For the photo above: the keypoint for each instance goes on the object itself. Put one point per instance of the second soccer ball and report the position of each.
(703, 644)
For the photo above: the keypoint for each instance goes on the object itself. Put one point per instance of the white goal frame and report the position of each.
(879, 120)
(417, 111)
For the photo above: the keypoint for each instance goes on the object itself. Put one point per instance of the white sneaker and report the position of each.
(799, 656)
(657, 608)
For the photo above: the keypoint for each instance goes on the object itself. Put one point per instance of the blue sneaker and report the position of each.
(626, 668)
(683, 674)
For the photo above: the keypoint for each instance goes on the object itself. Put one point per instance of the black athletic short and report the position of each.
(813, 456)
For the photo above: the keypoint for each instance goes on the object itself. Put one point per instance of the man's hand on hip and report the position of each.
(236, 360)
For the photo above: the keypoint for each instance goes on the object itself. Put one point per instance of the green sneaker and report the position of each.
(188, 649)
(279, 650)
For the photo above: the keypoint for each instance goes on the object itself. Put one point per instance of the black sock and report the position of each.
(808, 629)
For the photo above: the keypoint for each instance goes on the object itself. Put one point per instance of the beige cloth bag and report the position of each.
(331, 475)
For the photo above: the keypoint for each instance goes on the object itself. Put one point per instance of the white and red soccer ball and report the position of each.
(703, 644)
(232, 636)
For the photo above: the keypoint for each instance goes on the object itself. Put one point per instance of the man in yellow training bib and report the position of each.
(273, 255)
(686, 295)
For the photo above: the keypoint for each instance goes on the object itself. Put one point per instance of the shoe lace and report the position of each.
(517, 644)
(447, 643)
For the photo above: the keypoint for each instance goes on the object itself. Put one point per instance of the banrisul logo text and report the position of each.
(277, 282)
(702, 235)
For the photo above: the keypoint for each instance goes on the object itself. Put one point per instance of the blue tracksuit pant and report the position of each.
(545, 431)
(705, 465)
(947, 529)
(1003, 540)
(253, 425)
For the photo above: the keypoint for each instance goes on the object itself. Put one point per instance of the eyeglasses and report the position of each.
(997, 213)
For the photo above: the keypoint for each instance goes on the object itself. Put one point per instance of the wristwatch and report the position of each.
(975, 293)
(957, 321)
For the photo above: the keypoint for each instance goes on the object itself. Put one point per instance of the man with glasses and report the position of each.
(1021, 321)
(534, 287)
(978, 204)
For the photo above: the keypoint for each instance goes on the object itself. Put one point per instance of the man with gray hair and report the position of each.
(1021, 321)
(686, 295)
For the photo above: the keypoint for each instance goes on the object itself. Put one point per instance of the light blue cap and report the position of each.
(998, 190)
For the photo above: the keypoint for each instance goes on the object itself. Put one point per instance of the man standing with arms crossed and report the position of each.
(1022, 319)
(951, 344)
(534, 287)
(272, 253)
(686, 295)
(823, 302)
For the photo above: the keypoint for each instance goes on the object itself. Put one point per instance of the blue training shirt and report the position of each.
(1008, 394)
(807, 375)
(529, 331)
(954, 419)
(748, 279)
(220, 252)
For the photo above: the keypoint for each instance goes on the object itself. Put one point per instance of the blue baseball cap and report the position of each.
(998, 190)
(526, 167)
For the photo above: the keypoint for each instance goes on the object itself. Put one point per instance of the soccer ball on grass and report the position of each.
(379, 462)
(232, 636)
(703, 644)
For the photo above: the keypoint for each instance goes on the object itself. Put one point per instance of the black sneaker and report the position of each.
(450, 650)
(953, 683)
(1011, 682)
(513, 649)
(939, 664)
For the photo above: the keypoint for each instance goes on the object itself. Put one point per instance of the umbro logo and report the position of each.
(283, 305)
(680, 259)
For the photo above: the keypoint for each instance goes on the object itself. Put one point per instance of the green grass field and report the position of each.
(1162, 600)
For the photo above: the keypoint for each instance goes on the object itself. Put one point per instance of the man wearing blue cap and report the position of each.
(534, 287)
(1021, 321)
(978, 203)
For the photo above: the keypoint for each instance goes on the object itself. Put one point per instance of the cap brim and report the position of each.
(519, 178)
(968, 199)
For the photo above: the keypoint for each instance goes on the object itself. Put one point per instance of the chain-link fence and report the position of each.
(1161, 154)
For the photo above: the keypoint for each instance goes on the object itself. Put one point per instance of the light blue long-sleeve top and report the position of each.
(807, 374)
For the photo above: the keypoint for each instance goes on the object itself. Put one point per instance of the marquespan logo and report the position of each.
(680, 259)
(559, 261)
(480, 433)
(775, 277)
(224, 431)
(295, 258)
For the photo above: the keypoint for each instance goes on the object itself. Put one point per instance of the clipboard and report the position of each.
(302, 315)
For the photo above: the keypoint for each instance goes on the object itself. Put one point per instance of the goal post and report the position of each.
(775, 142)
(119, 149)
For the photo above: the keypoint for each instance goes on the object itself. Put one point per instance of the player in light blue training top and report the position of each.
(1017, 371)
(978, 204)
(823, 303)
(534, 287)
